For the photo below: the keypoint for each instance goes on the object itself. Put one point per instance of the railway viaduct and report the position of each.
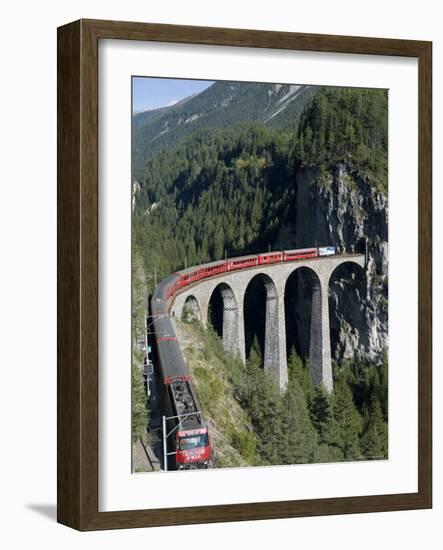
(233, 286)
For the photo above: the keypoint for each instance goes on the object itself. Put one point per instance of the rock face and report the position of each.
(346, 210)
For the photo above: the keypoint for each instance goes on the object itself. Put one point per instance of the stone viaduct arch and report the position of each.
(233, 286)
(191, 309)
(272, 336)
(298, 301)
(230, 317)
(302, 299)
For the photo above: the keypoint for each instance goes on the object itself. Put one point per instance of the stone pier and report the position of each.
(231, 335)
(319, 344)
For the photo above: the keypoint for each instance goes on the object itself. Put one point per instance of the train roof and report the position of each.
(191, 269)
(247, 257)
(172, 364)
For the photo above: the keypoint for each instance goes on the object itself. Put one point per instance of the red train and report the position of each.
(193, 274)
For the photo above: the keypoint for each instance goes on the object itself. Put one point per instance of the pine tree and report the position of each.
(191, 252)
(322, 417)
(204, 254)
(348, 421)
(298, 370)
(374, 441)
(320, 408)
(371, 443)
(219, 244)
(264, 404)
(299, 438)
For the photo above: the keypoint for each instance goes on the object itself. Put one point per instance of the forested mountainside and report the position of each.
(302, 424)
(319, 175)
(222, 105)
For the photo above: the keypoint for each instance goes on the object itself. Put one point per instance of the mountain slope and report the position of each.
(222, 105)
(145, 117)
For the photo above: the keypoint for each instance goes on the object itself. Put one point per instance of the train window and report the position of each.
(186, 443)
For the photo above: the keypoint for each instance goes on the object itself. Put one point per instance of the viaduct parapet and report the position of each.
(233, 285)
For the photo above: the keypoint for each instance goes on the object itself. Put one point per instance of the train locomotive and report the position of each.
(190, 439)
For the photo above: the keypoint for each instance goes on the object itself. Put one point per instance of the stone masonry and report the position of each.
(233, 287)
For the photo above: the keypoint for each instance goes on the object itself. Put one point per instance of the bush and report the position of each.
(245, 443)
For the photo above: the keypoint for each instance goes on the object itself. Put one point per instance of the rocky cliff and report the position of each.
(345, 209)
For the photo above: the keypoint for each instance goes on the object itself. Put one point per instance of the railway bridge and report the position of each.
(233, 286)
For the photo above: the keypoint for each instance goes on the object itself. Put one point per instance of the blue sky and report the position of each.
(152, 93)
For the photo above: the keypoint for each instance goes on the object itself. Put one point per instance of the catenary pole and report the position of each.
(165, 451)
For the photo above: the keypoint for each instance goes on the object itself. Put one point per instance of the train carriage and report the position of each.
(241, 262)
(213, 268)
(299, 254)
(270, 258)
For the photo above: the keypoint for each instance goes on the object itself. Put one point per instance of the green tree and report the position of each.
(348, 421)
(140, 411)
(264, 405)
(219, 244)
(371, 443)
(374, 441)
(299, 370)
(320, 408)
(299, 438)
